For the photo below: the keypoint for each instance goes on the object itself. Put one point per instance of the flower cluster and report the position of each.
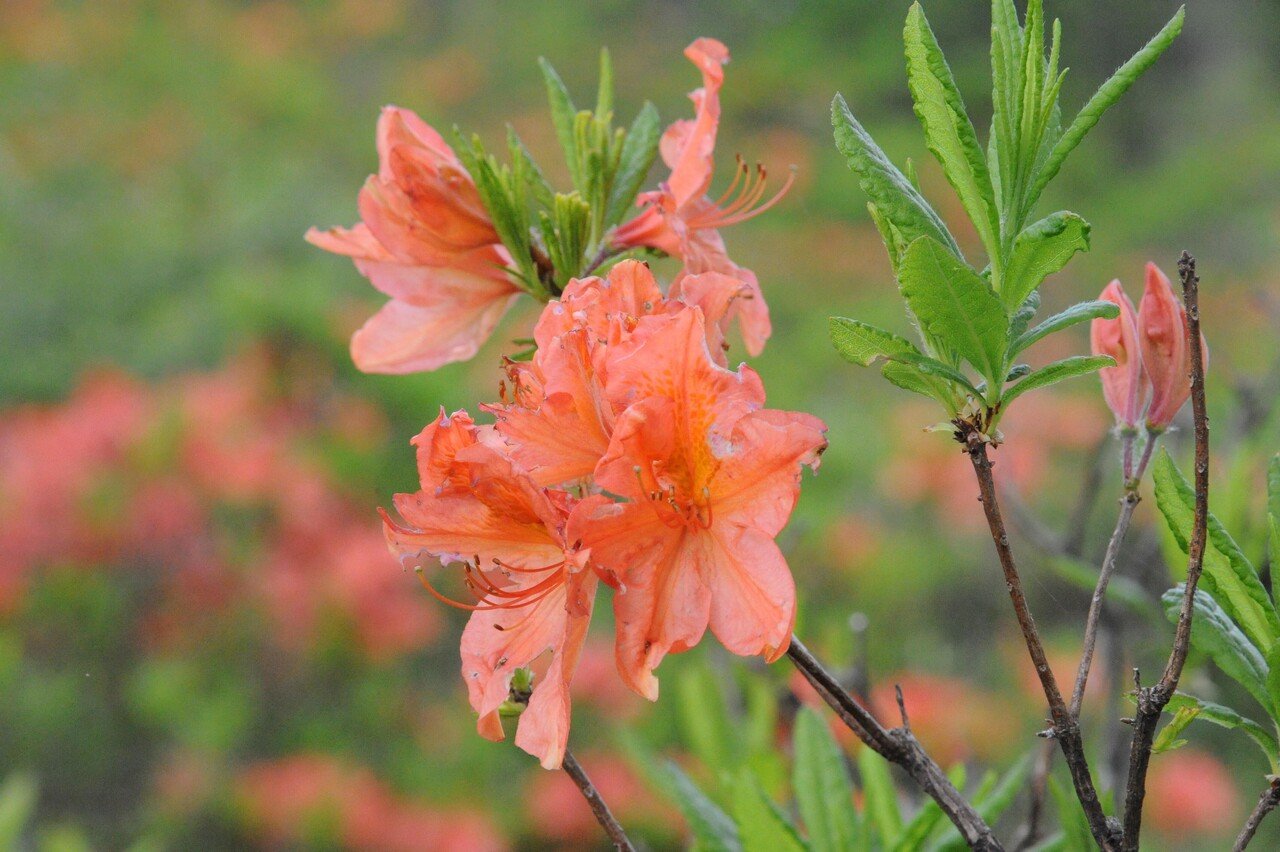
(429, 242)
(1152, 375)
(626, 453)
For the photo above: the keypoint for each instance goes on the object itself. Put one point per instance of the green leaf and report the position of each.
(18, 796)
(704, 718)
(823, 790)
(863, 344)
(761, 824)
(564, 117)
(912, 379)
(1214, 634)
(993, 799)
(604, 90)
(892, 238)
(1077, 313)
(880, 797)
(929, 818)
(1108, 93)
(897, 200)
(711, 827)
(1076, 365)
(947, 129)
(1168, 738)
(638, 152)
(1228, 575)
(1273, 514)
(1023, 315)
(955, 305)
(1225, 717)
(1043, 248)
(1077, 837)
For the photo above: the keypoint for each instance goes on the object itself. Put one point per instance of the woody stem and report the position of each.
(603, 815)
(897, 745)
(1065, 729)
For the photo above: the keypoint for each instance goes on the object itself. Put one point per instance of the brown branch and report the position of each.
(1065, 728)
(898, 746)
(1266, 804)
(1128, 503)
(1152, 700)
(604, 816)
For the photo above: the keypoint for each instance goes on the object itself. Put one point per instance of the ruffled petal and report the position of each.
(691, 147)
(753, 596)
(758, 480)
(404, 338)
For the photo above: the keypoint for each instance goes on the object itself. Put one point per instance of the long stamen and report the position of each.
(746, 206)
(739, 173)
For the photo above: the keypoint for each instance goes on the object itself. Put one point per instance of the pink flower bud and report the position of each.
(1125, 386)
(1162, 336)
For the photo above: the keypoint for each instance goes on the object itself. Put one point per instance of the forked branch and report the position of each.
(1152, 700)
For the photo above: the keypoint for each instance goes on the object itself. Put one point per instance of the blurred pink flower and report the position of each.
(426, 241)
(290, 798)
(1190, 792)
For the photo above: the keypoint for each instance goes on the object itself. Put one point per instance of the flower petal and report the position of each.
(404, 338)
(690, 148)
(753, 596)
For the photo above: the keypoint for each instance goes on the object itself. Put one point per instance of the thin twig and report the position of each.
(1066, 730)
(604, 816)
(1266, 804)
(1128, 503)
(1152, 700)
(897, 745)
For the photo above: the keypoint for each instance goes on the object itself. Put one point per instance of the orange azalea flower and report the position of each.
(1126, 386)
(683, 221)
(710, 478)
(558, 420)
(426, 241)
(1162, 334)
(532, 588)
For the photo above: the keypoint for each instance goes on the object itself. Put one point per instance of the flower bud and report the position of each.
(1124, 386)
(1162, 336)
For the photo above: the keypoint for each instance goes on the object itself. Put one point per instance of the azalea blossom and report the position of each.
(1126, 386)
(426, 241)
(1166, 353)
(1152, 375)
(532, 588)
(709, 478)
(682, 220)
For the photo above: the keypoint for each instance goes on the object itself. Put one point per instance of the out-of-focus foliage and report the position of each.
(202, 637)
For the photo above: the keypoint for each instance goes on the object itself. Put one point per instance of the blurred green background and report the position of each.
(201, 637)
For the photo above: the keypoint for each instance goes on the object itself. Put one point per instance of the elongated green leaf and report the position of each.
(1225, 717)
(1040, 250)
(894, 196)
(1077, 313)
(761, 825)
(1108, 93)
(712, 828)
(1273, 515)
(910, 378)
(1022, 316)
(1169, 737)
(955, 304)
(704, 718)
(894, 243)
(880, 797)
(18, 795)
(992, 799)
(1077, 836)
(604, 91)
(823, 790)
(1228, 575)
(1273, 681)
(1006, 47)
(564, 117)
(947, 128)
(1076, 365)
(638, 152)
(864, 344)
(929, 819)
(1217, 636)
